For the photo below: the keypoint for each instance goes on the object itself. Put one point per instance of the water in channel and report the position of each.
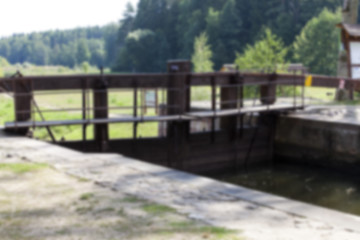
(325, 188)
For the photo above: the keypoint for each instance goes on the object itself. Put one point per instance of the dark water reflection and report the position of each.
(321, 187)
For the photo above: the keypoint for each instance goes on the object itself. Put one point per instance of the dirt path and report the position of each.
(37, 202)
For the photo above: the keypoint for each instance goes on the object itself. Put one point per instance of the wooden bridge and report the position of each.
(233, 141)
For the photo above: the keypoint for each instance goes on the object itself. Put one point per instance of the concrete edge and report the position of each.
(335, 218)
(307, 115)
(292, 207)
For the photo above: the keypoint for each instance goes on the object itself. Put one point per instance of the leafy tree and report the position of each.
(144, 51)
(230, 25)
(287, 18)
(265, 55)
(39, 53)
(110, 43)
(192, 26)
(151, 15)
(82, 51)
(3, 62)
(213, 23)
(317, 45)
(126, 24)
(5, 49)
(201, 58)
(59, 47)
(192, 22)
(64, 55)
(85, 66)
(97, 50)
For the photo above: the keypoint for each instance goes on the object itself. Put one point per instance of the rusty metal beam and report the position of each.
(73, 82)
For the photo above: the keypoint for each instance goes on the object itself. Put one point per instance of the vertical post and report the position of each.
(135, 110)
(268, 91)
(239, 121)
(101, 132)
(294, 88)
(213, 108)
(178, 97)
(241, 102)
(229, 101)
(178, 101)
(303, 93)
(351, 92)
(84, 110)
(23, 99)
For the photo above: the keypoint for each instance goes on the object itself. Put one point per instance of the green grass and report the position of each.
(84, 210)
(201, 93)
(219, 232)
(21, 168)
(182, 225)
(28, 69)
(106, 210)
(86, 196)
(121, 212)
(157, 209)
(6, 109)
(132, 199)
(319, 93)
(322, 94)
(209, 232)
(74, 132)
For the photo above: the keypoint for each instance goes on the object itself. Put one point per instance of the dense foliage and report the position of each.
(3, 63)
(67, 48)
(230, 24)
(318, 44)
(166, 29)
(202, 54)
(267, 54)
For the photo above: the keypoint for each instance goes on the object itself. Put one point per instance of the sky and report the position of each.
(25, 16)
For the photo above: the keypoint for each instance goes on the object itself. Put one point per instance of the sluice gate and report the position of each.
(229, 130)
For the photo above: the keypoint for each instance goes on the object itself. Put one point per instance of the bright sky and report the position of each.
(24, 16)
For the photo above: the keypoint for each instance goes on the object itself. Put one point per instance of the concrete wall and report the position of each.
(318, 142)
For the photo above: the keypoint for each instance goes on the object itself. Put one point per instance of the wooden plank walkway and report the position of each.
(244, 110)
(186, 117)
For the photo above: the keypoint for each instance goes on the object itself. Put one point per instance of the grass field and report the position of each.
(54, 100)
(28, 69)
(73, 100)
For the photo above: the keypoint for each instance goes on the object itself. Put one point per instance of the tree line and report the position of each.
(159, 30)
(67, 47)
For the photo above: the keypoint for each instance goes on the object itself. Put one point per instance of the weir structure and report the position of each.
(238, 129)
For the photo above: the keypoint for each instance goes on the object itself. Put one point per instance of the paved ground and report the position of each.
(257, 215)
(331, 113)
(40, 203)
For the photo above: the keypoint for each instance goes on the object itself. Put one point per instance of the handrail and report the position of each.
(161, 80)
